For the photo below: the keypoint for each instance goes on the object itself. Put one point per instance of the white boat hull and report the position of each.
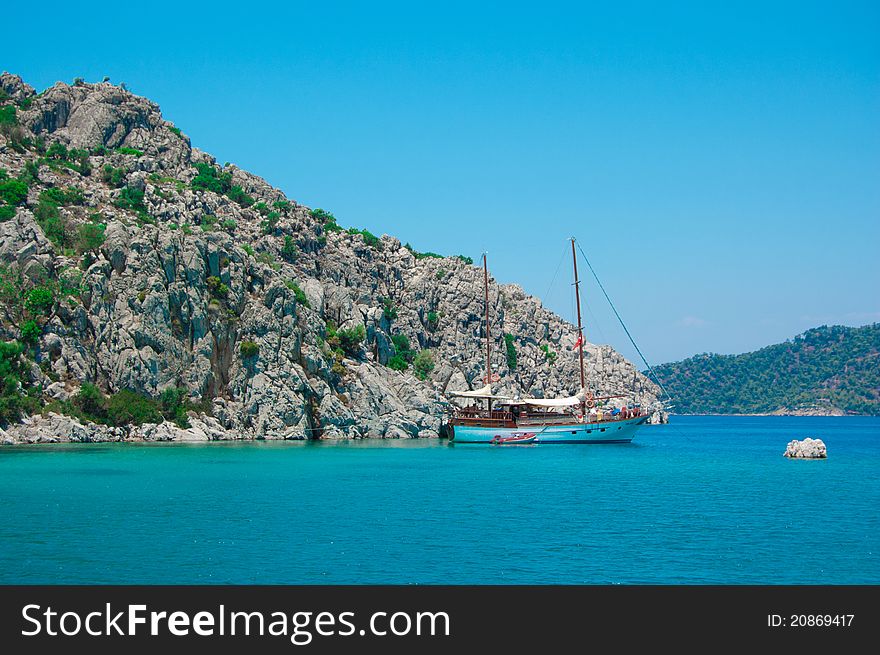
(581, 433)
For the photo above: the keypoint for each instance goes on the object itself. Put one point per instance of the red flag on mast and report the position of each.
(579, 341)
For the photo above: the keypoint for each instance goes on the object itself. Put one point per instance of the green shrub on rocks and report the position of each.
(549, 355)
(115, 177)
(13, 192)
(39, 301)
(90, 236)
(132, 199)
(30, 332)
(298, 293)
(423, 364)
(210, 179)
(237, 194)
(270, 223)
(402, 347)
(17, 396)
(369, 238)
(350, 340)
(128, 407)
(389, 309)
(289, 250)
(216, 288)
(130, 151)
(327, 219)
(91, 403)
(398, 363)
(511, 351)
(249, 349)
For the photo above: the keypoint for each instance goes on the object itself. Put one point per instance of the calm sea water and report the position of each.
(704, 500)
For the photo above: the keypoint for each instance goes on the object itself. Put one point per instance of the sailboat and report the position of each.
(578, 419)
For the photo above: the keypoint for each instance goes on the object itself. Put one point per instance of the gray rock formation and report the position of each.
(185, 281)
(806, 449)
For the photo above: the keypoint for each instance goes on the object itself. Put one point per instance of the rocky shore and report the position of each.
(165, 270)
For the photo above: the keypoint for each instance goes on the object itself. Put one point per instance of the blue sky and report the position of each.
(720, 165)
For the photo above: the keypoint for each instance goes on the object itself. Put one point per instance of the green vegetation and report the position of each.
(327, 219)
(13, 192)
(30, 332)
(8, 116)
(210, 179)
(269, 259)
(298, 293)
(467, 260)
(248, 249)
(423, 364)
(422, 255)
(351, 340)
(208, 221)
(90, 236)
(17, 396)
(440, 273)
(346, 341)
(130, 151)
(174, 403)
(268, 225)
(70, 196)
(249, 349)
(237, 194)
(39, 301)
(133, 199)
(262, 208)
(126, 407)
(115, 177)
(369, 238)
(511, 351)
(229, 225)
(826, 366)
(549, 355)
(175, 131)
(403, 353)
(433, 319)
(289, 250)
(282, 205)
(389, 309)
(216, 288)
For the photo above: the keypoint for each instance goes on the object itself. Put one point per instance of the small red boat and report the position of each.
(517, 438)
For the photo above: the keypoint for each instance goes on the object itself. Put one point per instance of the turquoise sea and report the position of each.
(703, 500)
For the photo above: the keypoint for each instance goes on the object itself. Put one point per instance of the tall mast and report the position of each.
(577, 295)
(488, 342)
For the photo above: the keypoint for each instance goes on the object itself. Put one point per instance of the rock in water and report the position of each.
(806, 449)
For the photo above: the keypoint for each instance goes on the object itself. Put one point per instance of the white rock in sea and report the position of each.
(806, 449)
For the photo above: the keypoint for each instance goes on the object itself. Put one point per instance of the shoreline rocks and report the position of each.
(806, 449)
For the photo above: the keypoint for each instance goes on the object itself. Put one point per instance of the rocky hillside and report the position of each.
(148, 292)
(825, 371)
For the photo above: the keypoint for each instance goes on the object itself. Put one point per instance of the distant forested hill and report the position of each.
(825, 370)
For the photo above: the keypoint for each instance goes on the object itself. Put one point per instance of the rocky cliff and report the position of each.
(133, 261)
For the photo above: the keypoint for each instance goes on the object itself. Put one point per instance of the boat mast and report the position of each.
(488, 342)
(577, 295)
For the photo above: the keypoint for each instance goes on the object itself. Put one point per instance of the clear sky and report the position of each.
(719, 164)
